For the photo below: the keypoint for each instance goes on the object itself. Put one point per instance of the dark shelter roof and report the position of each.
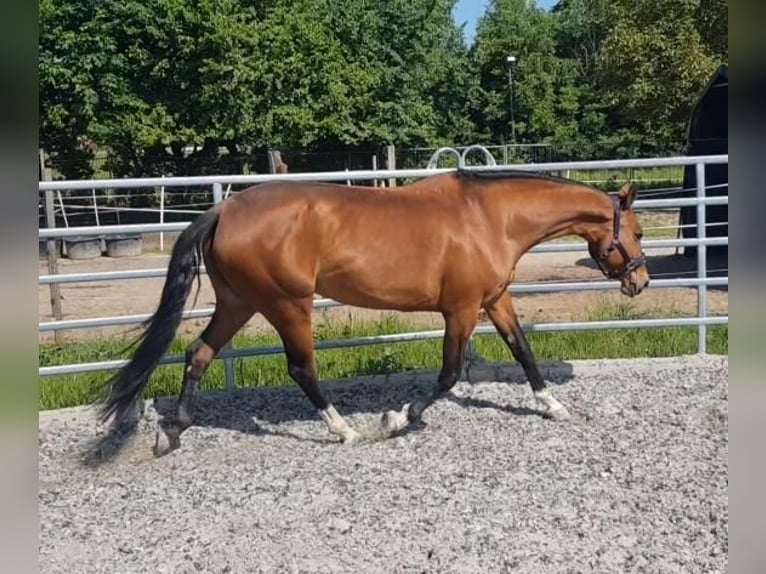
(708, 130)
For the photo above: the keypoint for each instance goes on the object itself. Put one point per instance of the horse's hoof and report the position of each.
(392, 422)
(559, 414)
(352, 438)
(163, 443)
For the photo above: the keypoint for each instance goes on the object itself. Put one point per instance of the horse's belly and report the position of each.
(383, 291)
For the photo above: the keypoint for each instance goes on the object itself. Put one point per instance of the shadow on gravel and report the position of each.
(107, 447)
(471, 402)
(242, 409)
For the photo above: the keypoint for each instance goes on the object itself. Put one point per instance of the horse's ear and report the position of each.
(627, 195)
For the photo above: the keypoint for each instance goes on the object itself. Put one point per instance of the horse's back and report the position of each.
(374, 247)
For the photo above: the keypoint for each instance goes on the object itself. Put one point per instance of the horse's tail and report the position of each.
(160, 328)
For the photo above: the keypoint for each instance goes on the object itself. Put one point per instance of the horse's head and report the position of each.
(616, 247)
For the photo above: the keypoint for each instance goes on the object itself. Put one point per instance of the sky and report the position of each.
(468, 11)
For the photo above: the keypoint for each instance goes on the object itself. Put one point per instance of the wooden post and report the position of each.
(50, 223)
(276, 165)
(391, 163)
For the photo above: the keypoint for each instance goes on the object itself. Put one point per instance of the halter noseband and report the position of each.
(630, 264)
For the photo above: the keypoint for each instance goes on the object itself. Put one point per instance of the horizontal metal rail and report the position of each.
(680, 202)
(88, 230)
(106, 276)
(180, 226)
(368, 174)
(520, 288)
(396, 338)
(115, 321)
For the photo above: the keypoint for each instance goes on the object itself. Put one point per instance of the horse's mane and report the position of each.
(510, 173)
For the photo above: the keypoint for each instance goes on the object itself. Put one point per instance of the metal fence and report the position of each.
(701, 282)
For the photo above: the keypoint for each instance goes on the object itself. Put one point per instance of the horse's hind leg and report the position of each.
(292, 320)
(226, 321)
(504, 318)
(458, 328)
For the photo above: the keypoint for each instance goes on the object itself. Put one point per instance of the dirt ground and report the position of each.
(135, 296)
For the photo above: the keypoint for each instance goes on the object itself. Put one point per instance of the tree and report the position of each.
(713, 25)
(654, 62)
(546, 94)
(141, 78)
(67, 102)
(580, 29)
(410, 67)
(179, 74)
(148, 80)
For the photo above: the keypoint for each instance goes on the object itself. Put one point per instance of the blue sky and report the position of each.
(468, 11)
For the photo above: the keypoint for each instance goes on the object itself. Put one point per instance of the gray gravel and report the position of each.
(635, 482)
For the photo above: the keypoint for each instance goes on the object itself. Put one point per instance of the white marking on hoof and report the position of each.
(392, 422)
(560, 414)
(352, 438)
(337, 425)
(553, 409)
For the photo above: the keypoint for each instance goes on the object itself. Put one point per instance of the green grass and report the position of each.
(65, 391)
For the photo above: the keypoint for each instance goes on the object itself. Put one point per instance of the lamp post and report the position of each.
(511, 60)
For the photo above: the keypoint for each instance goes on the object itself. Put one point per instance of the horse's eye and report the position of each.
(639, 235)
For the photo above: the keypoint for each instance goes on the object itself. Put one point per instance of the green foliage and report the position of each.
(654, 61)
(67, 97)
(597, 78)
(146, 79)
(712, 21)
(517, 28)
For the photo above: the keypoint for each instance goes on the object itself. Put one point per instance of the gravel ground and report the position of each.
(635, 482)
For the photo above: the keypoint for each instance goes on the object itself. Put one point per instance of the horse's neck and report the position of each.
(575, 211)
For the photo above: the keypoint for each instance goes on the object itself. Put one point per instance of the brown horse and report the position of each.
(447, 243)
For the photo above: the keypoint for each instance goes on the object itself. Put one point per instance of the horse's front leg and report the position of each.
(503, 316)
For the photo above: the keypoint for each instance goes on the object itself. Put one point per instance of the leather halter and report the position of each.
(630, 264)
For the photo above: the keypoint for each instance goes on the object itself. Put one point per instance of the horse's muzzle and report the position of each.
(634, 283)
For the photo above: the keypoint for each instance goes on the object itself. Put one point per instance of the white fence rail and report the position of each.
(701, 281)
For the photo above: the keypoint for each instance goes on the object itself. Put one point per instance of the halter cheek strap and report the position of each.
(630, 264)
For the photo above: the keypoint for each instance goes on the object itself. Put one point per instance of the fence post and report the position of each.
(162, 217)
(701, 259)
(95, 208)
(53, 267)
(217, 193)
(63, 209)
(391, 163)
(276, 164)
(228, 362)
